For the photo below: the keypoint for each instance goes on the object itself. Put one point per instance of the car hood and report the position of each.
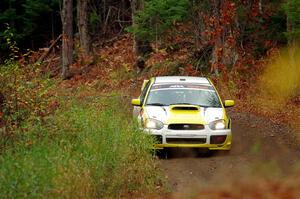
(184, 114)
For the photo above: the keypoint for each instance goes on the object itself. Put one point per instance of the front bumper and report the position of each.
(191, 138)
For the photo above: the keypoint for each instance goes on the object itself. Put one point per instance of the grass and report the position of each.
(88, 149)
(122, 74)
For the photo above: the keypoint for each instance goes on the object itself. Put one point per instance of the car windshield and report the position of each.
(165, 95)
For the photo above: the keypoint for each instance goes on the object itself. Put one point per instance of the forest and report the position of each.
(68, 69)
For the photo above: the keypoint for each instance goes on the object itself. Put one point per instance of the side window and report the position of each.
(144, 92)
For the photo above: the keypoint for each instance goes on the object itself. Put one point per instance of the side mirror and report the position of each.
(136, 102)
(228, 103)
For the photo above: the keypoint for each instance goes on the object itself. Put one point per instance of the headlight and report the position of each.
(153, 124)
(217, 125)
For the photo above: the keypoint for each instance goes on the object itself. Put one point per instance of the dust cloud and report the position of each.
(280, 80)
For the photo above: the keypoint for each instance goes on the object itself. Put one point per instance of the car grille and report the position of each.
(186, 126)
(186, 140)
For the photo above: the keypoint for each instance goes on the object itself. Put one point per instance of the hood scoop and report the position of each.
(184, 114)
(184, 107)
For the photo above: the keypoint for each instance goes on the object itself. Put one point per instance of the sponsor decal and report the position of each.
(192, 86)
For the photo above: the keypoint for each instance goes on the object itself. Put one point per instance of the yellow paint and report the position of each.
(228, 103)
(136, 102)
(185, 116)
(151, 83)
(190, 117)
(144, 84)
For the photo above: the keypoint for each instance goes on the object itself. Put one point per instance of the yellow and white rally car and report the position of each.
(182, 111)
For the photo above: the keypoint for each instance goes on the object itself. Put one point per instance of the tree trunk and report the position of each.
(217, 40)
(141, 47)
(67, 44)
(83, 26)
(260, 7)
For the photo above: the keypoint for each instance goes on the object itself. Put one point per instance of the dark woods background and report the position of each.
(254, 25)
(35, 23)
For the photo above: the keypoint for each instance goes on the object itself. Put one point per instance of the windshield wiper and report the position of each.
(156, 104)
(204, 106)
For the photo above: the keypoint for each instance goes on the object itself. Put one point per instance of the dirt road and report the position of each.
(260, 148)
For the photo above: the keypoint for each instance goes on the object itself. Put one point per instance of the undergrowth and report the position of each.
(25, 93)
(87, 149)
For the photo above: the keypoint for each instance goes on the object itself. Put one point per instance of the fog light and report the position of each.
(217, 139)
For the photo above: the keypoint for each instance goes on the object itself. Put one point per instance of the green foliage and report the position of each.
(25, 88)
(10, 43)
(292, 10)
(88, 149)
(25, 92)
(276, 27)
(30, 20)
(257, 29)
(33, 9)
(94, 20)
(122, 74)
(157, 17)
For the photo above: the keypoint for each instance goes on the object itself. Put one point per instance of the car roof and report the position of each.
(181, 79)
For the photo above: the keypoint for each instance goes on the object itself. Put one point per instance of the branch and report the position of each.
(46, 53)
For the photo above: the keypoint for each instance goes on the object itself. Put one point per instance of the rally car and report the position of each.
(183, 111)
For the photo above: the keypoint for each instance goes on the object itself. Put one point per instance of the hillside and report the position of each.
(66, 125)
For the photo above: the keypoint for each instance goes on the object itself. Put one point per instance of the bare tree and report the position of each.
(67, 44)
(83, 26)
(218, 39)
